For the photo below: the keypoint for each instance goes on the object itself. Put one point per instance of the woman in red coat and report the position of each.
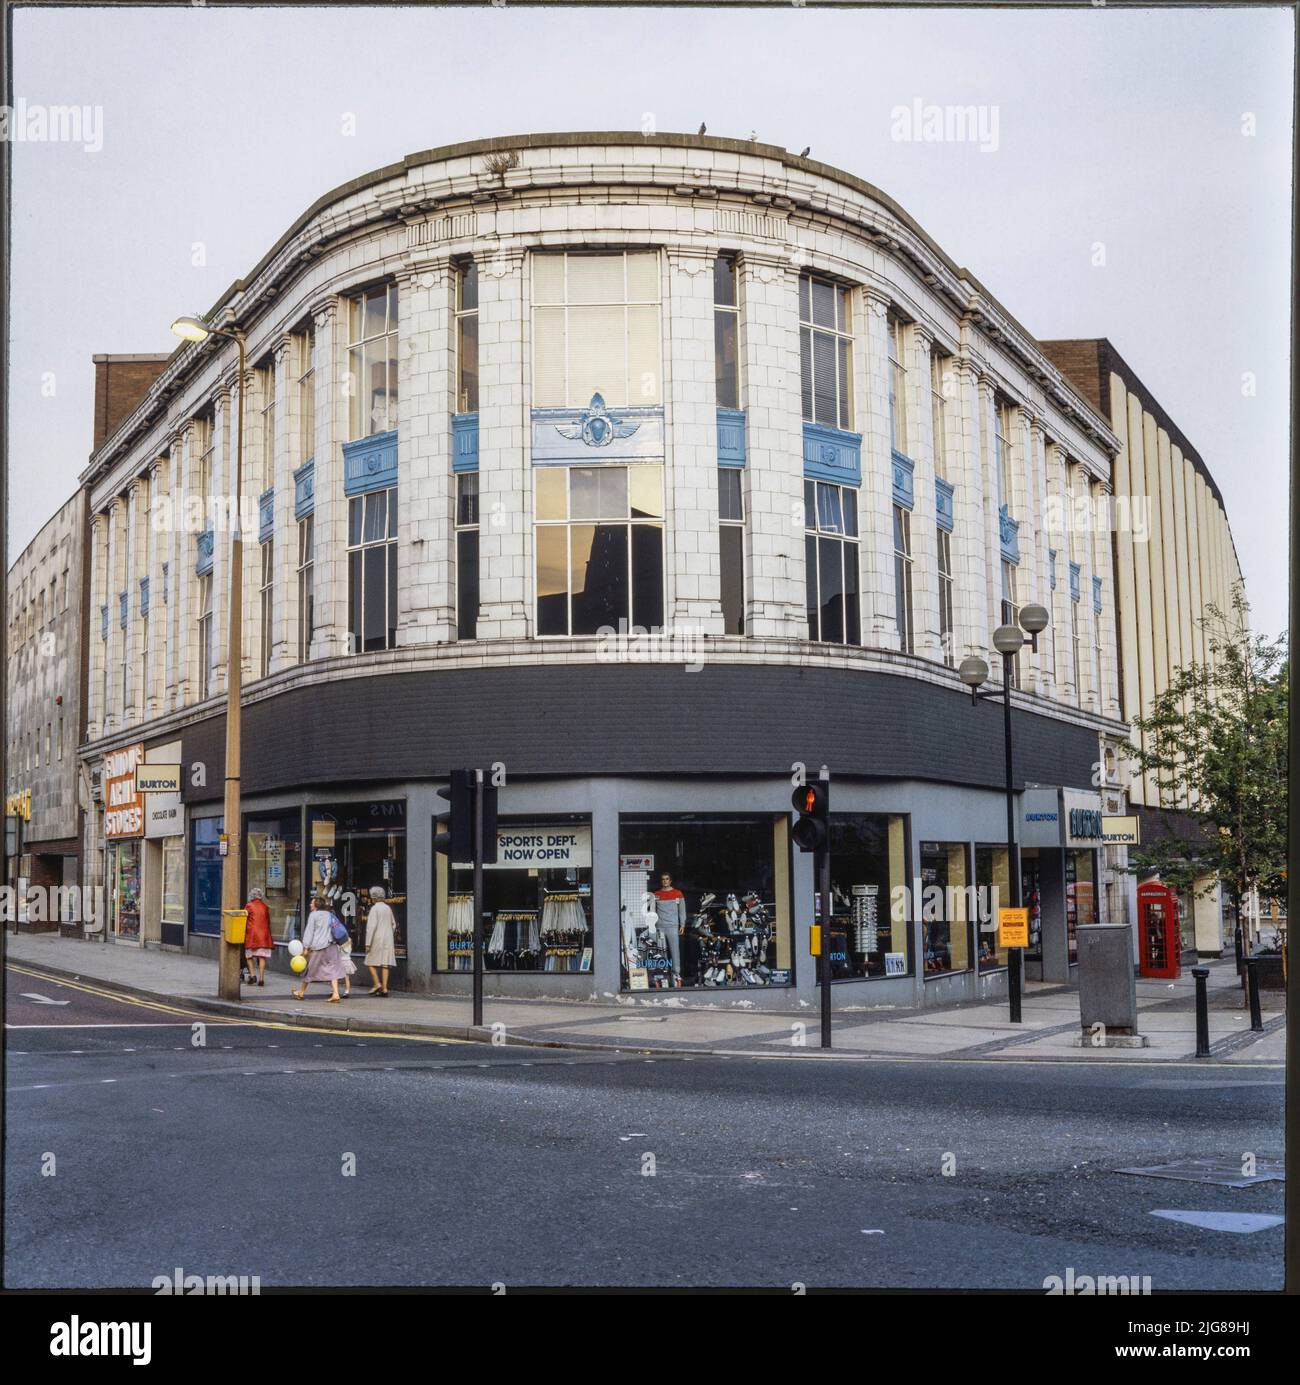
(257, 935)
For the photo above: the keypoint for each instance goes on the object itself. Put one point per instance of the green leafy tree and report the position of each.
(1216, 750)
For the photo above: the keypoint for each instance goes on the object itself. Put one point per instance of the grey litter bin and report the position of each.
(1107, 987)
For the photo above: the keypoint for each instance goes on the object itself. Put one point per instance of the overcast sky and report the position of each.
(1119, 127)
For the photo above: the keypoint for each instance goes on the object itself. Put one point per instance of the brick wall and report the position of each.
(120, 383)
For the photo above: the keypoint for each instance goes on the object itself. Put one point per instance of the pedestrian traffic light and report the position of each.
(455, 839)
(812, 801)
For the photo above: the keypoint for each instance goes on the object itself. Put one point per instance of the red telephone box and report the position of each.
(1161, 943)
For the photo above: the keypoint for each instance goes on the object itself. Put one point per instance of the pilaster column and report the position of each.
(1031, 578)
(774, 518)
(113, 713)
(95, 709)
(973, 527)
(876, 500)
(1104, 568)
(284, 554)
(925, 537)
(504, 452)
(221, 512)
(426, 571)
(181, 579)
(156, 547)
(330, 568)
(692, 559)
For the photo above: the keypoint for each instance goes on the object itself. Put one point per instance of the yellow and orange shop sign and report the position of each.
(19, 805)
(123, 805)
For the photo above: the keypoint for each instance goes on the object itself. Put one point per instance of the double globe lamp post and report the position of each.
(974, 672)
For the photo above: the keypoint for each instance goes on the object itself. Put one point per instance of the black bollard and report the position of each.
(1202, 1012)
(1252, 987)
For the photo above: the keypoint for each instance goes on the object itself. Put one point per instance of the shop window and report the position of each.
(467, 571)
(372, 362)
(704, 901)
(870, 934)
(273, 864)
(355, 846)
(600, 548)
(537, 899)
(831, 563)
(1080, 896)
(903, 580)
(825, 352)
(1031, 896)
(731, 547)
(993, 880)
(372, 570)
(124, 869)
(944, 539)
(726, 333)
(945, 915)
(467, 338)
(596, 329)
(205, 876)
(173, 880)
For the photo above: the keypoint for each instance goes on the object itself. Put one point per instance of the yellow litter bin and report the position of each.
(236, 925)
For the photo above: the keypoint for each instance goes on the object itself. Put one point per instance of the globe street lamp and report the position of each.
(193, 329)
(1007, 640)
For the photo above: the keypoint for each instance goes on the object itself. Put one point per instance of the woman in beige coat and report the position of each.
(380, 950)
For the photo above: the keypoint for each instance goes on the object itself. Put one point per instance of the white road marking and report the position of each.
(37, 998)
(1241, 1222)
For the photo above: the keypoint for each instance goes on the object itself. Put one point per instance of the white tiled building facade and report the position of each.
(504, 396)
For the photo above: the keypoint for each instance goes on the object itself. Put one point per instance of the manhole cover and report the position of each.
(1224, 1173)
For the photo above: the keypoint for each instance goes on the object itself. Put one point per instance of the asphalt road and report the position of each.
(478, 1165)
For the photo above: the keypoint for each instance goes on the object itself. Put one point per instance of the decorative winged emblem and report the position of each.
(596, 426)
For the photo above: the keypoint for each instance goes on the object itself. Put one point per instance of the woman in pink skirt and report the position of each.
(325, 960)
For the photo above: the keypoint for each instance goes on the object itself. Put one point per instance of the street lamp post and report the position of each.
(1007, 640)
(194, 329)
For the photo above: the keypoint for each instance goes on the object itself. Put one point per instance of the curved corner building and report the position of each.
(647, 470)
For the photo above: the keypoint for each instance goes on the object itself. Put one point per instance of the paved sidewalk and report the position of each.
(1050, 1015)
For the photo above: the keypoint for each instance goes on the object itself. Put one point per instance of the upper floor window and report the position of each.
(600, 548)
(825, 352)
(372, 570)
(944, 539)
(1002, 452)
(596, 329)
(897, 384)
(372, 362)
(264, 473)
(306, 372)
(726, 333)
(205, 635)
(903, 616)
(939, 413)
(831, 563)
(306, 586)
(1011, 612)
(467, 338)
(207, 442)
(731, 547)
(266, 592)
(467, 588)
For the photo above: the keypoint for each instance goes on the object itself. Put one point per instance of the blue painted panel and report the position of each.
(205, 875)
(1009, 533)
(370, 464)
(943, 504)
(901, 471)
(831, 454)
(304, 489)
(1051, 568)
(203, 557)
(123, 608)
(1074, 581)
(731, 437)
(1096, 594)
(265, 515)
(103, 622)
(464, 443)
(144, 596)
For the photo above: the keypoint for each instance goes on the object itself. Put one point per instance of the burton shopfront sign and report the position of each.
(123, 805)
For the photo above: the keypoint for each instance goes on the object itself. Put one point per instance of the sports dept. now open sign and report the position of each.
(547, 846)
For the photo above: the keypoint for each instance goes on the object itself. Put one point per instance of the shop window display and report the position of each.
(1080, 897)
(125, 858)
(703, 901)
(273, 857)
(993, 879)
(537, 899)
(1031, 896)
(945, 919)
(355, 846)
(869, 937)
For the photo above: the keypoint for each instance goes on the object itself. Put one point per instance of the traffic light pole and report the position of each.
(478, 898)
(824, 957)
